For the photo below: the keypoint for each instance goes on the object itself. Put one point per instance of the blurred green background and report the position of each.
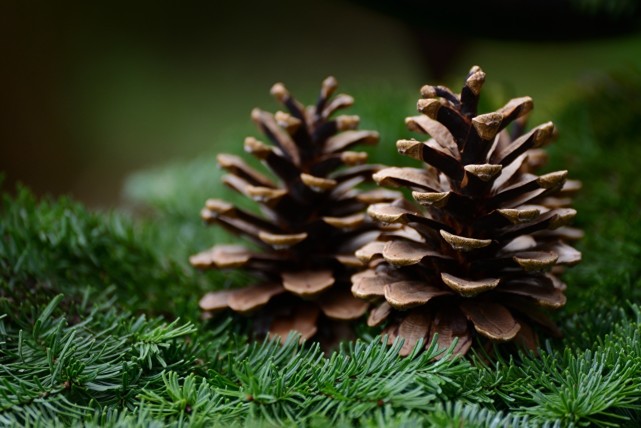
(94, 91)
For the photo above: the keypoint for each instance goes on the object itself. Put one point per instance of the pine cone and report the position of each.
(479, 257)
(312, 217)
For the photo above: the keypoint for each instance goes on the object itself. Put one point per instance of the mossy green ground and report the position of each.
(100, 324)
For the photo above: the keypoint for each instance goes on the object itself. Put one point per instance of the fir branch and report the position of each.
(56, 370)
(597, 386)
(285, 383)
(59, 246)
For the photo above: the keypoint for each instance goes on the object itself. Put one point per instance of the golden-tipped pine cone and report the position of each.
(478, 249)
(311, 220)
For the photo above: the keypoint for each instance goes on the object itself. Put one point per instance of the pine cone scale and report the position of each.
(438, 132)
(348, 139)
(409, 294)
(342, 305)
(492, 320)
(449, 324)
(414, 327)
(468, 288)
(251, 298)
(277, 135)
(302, 320)
(307, 283)
(213, 302)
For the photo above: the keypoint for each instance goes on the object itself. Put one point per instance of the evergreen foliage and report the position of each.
(99, 324)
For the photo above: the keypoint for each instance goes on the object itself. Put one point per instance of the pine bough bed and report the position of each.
(99, 324)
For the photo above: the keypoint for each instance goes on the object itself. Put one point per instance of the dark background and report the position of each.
(95, 91)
